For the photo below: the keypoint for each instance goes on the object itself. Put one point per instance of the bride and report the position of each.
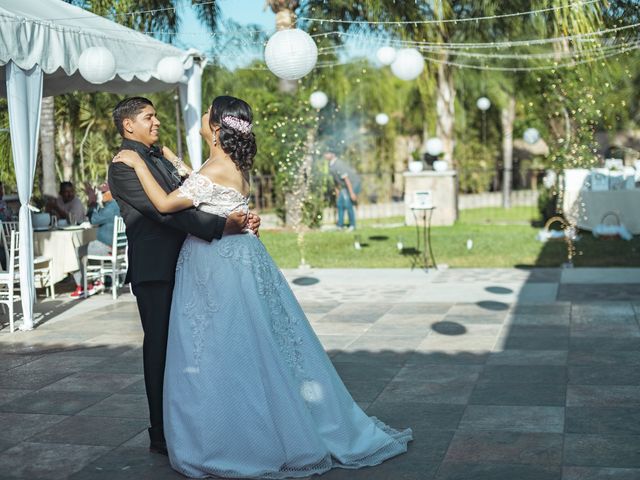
(248, 390)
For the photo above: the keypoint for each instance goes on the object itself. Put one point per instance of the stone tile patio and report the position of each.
(508, 374)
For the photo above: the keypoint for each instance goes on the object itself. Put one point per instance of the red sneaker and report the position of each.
(78, 292)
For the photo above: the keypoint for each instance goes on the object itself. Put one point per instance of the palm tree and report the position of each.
(48, 147)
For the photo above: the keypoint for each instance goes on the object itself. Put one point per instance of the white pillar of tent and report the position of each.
(24, 97)
(191, 103)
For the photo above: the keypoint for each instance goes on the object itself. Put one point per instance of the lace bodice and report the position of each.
(212, 197)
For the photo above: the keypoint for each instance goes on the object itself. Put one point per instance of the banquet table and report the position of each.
(65, 246)
(588, 208)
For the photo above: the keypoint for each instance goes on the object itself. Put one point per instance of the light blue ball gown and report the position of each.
(249, 391)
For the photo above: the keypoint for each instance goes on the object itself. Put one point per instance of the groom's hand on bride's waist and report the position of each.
(235, 223)
(253, 223)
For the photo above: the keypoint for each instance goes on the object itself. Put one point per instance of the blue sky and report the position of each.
(243, 50)
(247, 12)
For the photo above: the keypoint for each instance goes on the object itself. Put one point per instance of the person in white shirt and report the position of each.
(67, 206)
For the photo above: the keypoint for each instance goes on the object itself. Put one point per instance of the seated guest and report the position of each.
(67, 206)
(103, 215)
(6, 214)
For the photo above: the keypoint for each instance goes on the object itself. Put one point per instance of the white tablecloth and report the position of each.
(587, 208)
(65, 247)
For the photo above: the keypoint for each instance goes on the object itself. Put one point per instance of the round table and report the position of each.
(65, 246)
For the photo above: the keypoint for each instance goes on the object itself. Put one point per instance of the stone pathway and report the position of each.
(502, 374)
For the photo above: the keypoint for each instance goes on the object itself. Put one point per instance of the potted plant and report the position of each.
(415, 162)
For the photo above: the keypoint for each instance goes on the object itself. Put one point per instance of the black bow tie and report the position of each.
(155, 151)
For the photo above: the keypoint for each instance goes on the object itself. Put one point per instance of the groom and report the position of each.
(155, 241)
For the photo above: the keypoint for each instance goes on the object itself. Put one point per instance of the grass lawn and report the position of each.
(501, 238)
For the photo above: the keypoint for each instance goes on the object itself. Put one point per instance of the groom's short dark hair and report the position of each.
(128, 108)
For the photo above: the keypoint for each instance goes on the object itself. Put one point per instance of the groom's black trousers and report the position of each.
(154, 305)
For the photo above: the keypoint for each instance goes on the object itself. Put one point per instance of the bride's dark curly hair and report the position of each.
(234, 117)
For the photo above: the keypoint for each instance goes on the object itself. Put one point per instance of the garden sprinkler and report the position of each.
(356, 242)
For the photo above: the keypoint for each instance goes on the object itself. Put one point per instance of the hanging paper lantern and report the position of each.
(483, 104)
(291, 54)
(170, 70)
(97, 65)
(386, 55)
(531, 135)
(382, 119)
(434, 146)
(318, 100)
(408, 64)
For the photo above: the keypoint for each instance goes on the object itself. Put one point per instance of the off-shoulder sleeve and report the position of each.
(196, 188)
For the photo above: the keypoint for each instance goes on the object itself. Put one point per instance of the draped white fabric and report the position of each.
(53, 35)
(191, 102)
(24, 94)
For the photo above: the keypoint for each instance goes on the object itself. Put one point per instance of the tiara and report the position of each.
(237, 124)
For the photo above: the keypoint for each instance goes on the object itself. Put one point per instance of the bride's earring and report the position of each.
(215, 142)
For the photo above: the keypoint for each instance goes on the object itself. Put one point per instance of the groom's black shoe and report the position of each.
(157, 442)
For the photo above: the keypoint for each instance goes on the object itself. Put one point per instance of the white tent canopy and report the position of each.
(40, 46)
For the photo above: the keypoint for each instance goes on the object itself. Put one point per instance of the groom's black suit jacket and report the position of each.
(155, 239)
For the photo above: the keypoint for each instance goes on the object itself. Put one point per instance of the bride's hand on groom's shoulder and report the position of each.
(169, 155)
(127, 157)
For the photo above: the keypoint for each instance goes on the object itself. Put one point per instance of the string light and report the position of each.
(139, 12)
(507, 43)
(451, 20)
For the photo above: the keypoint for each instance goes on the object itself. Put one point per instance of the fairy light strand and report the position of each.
(450, 20)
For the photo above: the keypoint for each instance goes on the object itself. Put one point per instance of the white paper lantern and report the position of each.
(408, 64)
(97, 65)
(483, 104)
(318, 100)
(170, 70)
(291, 54)
(382, 119)
(386, 55)
(531, 135)
(434, 146)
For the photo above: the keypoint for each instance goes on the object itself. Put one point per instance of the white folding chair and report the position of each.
(5, 232)
(42, 265)
(115, 264)
(10, 278)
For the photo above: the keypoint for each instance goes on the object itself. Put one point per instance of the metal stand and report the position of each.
(423, 231)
